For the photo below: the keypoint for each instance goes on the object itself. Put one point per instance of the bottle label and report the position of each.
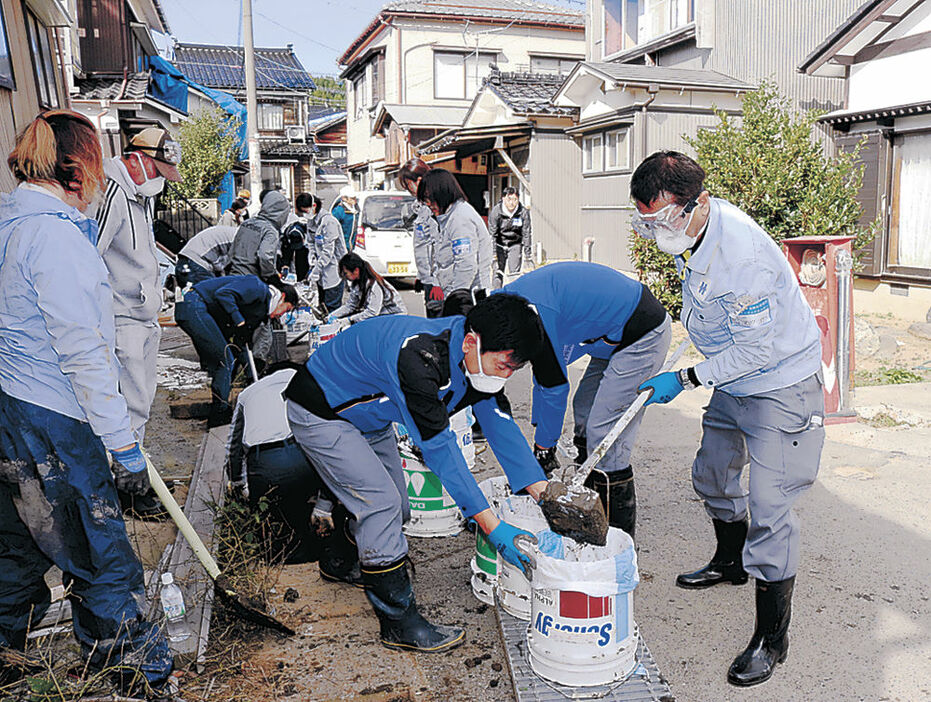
(173, 611)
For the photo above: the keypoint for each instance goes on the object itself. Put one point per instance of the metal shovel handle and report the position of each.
(252, 370)
(580, 476)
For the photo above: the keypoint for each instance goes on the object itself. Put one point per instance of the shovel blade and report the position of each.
(575, 512)
(243, 609)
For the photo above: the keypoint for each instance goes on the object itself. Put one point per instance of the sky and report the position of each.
(320, 30)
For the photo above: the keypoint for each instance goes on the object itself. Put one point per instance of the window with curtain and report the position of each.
(910, 231)
(459, 75)
(593, 154)
(43, 62)
(617, 153)
(271, 117)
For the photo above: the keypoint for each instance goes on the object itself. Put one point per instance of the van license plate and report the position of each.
(397, 268)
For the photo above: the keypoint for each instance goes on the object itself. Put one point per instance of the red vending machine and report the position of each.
(823, 266)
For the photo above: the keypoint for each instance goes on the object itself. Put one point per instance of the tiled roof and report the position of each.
(521, 10)
(221, 67)
(529, 93)
(287, 149)
(137, 85)
(497, 11)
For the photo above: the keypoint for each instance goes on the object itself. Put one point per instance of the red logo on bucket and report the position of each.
(578, 605)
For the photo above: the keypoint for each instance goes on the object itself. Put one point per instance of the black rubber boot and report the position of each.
(581, 447)
(546, 457)
(618, 497)
(339, 557)
(402, 626)
(146, 507)
(727, 564)
(770, 642)
(221, 414)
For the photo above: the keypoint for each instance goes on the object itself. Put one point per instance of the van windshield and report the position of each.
(386, 211)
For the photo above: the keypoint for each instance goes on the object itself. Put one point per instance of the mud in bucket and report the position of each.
(513, 588)
(582, 631)
(461, 424)
(485, 561)
(433, 511)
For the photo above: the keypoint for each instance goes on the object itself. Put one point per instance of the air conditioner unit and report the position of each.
(297, 134)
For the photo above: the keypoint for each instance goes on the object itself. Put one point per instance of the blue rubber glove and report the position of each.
(665, 387)
(502, 538)
(331, 318)
(129, 471)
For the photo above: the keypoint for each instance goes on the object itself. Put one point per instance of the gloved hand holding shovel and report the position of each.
(504, 538)
(573, 510)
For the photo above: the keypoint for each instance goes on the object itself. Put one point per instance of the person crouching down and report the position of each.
(370, 295)
(418, 372)
(221, 315)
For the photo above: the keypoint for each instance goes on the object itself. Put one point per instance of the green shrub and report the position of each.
(768, 163)
(209, 150)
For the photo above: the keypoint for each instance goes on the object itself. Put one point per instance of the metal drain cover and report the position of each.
(645, 684)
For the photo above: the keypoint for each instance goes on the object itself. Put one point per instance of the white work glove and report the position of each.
(321, 519)
(239, 487)
(343, 323)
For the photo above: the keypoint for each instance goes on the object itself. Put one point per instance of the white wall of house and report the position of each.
(436, 63)
(898, 79)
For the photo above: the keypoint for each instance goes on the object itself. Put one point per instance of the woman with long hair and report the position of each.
(463, 250)
(61, 412)
(370, 295)
(426, 233)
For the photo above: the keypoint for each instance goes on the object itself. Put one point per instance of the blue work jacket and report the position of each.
(584, 308)
(410, 370)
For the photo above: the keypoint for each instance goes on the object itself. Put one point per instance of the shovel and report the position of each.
(224, 589)
(576, 511)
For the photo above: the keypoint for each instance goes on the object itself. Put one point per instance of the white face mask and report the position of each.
(151, 186)
(481, 381)
(660, 226)
(673, 242)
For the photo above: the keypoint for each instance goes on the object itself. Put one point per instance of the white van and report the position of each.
(383, 233)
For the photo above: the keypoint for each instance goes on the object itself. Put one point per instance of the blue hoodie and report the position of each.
(56, 315)
(410, 370)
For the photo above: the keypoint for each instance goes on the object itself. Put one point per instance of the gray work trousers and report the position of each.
(262, 341)
(364, 471)
(508, 260)
(137, 352)
(609, 387)
(780, 434)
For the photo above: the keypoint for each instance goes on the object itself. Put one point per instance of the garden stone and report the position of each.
(921, 329)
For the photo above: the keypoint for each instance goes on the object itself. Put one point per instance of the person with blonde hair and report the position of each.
(61, 412)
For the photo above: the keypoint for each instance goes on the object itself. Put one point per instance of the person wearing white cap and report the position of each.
(346, 213)
(127, 247)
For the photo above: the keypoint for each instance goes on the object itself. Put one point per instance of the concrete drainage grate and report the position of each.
(646, 684)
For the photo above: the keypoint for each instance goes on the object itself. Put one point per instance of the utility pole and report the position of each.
(252, 109)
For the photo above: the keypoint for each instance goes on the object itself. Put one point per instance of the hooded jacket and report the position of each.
(210, 248)
(57, 337)
(127, 246)
(255, 247)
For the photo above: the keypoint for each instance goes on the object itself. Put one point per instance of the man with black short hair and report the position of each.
(417, 372)
(744, 311)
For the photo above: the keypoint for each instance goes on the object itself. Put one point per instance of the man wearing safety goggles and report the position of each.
(744, 311)
(127, 247)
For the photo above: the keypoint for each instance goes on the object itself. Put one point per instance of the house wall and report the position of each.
(554, 165)
(887, 81)
(408, 68)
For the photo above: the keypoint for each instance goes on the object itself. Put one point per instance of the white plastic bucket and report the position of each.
(461, 424)
(485, 561)
(582, 630)
(513, 588)
(433, 511)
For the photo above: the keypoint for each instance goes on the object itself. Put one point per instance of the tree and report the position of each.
(209, 150)
(330, 92)
(767, 163)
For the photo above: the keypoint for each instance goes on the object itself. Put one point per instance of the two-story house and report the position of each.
(328, 132)
(33, 36)
(653, 72)
(282, 92)
(414, 69)
(879, 57)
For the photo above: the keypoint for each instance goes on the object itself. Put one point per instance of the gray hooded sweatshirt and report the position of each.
(127, 247)
(255, 247)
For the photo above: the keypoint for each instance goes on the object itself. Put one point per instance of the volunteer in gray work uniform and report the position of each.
(426, 232)
(205, 256)
(744, 311)
(329, 247)
(463, 249)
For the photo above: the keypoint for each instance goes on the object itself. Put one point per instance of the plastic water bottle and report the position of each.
(173, 606)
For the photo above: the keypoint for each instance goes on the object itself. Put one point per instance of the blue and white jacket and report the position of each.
(744, 310)
(410, 370)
